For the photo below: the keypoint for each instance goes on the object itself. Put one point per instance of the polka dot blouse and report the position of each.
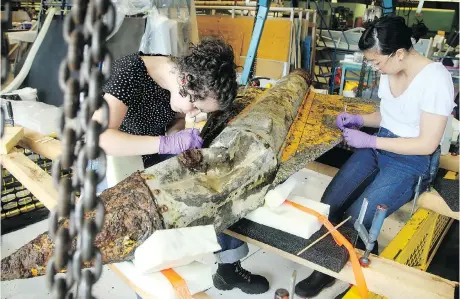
(149, 111)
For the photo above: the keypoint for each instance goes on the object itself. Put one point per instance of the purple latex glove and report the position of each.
(180, 142)
(358, 139)
(345, 120)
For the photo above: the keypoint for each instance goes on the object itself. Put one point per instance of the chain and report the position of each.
(85, 30)
(362, 74)
(5, 67)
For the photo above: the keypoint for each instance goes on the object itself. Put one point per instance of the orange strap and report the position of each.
(178, 283)
(340, 240)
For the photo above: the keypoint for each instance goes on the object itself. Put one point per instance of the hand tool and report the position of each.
(293, 281)
(370, 237)
(323, 236)
(416, 196)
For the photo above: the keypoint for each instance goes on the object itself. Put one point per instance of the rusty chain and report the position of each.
(85, 30)
(5, 67)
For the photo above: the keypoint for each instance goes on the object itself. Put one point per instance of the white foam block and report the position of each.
(197, 276)
(171, 248)
(289, 219)
(277, 196)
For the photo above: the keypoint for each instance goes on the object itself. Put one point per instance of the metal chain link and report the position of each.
(5, 67)
(85, 30)
(362, 74)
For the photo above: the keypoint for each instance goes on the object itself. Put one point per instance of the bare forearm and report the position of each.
(407, 146)
(372, 120)
(116, 143)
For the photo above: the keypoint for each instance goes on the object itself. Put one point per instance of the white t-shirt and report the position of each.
(431, 91)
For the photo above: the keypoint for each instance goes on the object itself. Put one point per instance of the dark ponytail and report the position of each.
(419, 30)
(389, 34)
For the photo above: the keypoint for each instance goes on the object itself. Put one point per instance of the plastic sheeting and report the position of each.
(168, 29)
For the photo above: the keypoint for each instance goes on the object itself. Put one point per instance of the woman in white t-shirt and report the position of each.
(417, 96)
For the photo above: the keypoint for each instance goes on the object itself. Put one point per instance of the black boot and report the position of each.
(313, 284)
(229, 276)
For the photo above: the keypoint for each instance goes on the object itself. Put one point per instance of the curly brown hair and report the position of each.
(210, 71)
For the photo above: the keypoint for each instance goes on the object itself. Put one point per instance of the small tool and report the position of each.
(293, 281)
(417, 194)
(370, 237)
(323, 236)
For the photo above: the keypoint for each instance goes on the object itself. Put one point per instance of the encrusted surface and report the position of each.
(131, 216)
(217, 121)
(233, 175)
(314, 131)
(217, 185)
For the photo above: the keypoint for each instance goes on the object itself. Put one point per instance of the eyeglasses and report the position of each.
(377, 66)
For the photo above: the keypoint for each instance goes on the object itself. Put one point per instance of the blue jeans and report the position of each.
(380, 176)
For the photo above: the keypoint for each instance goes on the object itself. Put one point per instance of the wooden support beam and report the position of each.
(40, 144)
(322, 168)
(141, 292)
(384, 277)
(34, 179)
(11, 137)
(449, 162)
(434, 202)
(428, 200)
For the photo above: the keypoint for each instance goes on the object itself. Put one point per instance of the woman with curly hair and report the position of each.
(148, 98)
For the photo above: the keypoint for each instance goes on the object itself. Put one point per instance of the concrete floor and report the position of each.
(277, 269)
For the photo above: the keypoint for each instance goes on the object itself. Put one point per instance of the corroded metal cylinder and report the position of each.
(218, 185)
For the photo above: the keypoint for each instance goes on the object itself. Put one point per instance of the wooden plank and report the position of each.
(274, 43)
(34, 179)
(235, 39)
(194, 34)
(322, 168)
(10, 138)
(267, 68)
(141, 292)
(253, 8)
(384, 277)
(449, 162)
(40, 144)
(211, 3)
(434, 202)
(428, 200)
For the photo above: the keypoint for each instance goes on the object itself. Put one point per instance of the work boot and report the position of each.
(313, 284)
(229, 276)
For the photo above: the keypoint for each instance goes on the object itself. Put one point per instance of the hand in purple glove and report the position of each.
(345, 120)
(180, 142)
(358, 139)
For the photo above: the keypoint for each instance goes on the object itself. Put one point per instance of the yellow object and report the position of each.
(441, 33)
(450, 175)
(415, 245)
(350, 85)
(269, 85)
(178, 283)
(315, 122)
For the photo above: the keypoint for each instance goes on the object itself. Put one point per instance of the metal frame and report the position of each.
(264, 6)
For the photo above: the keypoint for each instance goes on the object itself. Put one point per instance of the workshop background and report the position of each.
(319, 37)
